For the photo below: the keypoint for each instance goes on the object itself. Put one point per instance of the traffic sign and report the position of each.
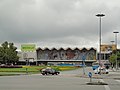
(90, 74)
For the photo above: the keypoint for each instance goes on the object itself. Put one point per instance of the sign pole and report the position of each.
(83, 59)
(83, 67)
(90, 76)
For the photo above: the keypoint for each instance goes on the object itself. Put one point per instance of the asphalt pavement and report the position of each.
(67, 80)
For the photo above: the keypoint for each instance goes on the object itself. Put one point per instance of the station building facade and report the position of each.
(67, 55)
(45, 55)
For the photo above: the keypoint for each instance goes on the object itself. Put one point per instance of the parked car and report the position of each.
(104, 71)
(101, 71)
(48, 71)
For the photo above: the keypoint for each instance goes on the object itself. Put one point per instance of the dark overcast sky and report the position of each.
(58, 23)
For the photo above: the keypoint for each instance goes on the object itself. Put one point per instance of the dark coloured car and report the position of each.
(49, 71)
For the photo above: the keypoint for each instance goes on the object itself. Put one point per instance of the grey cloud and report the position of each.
(61, 22)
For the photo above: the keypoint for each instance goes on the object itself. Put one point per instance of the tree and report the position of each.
(112, 59)
(8, 53)
(118, 58)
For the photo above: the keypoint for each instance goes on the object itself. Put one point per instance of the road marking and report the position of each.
(106, 86)
(117, 80)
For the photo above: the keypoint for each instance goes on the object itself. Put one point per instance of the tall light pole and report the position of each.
(100, 35)
(112, 43)
(116, 47)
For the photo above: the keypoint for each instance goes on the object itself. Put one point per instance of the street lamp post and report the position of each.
(112, 42)
(100, 16)
(116, 48)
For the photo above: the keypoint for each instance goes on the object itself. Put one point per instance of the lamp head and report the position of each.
(100, 15)
(116, 32)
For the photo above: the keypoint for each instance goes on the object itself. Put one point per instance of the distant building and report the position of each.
(25, 57)
(108, 47)
(106, 50)
(45, 55)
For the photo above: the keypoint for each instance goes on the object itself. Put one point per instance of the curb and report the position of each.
(96, 83)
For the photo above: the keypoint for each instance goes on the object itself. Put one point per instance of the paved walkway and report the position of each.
(112, 74)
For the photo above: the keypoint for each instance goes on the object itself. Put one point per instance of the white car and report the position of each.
(104, 71)
(101, 71)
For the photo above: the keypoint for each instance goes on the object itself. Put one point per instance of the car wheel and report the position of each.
(106, 72)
